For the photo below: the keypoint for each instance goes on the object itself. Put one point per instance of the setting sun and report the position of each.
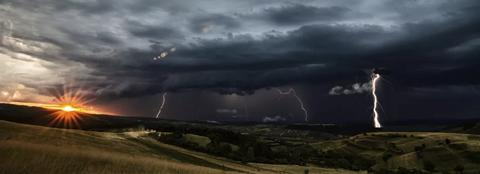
(69, 108)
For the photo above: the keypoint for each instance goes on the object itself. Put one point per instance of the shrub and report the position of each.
(473, 156)
(459, 169)
(428, 165)
(402, 170)
(467, 126)
(386, 156)
(458, 146)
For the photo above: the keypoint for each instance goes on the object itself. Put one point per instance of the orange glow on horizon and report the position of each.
(68, 107)
(66, 118)
(62, 107)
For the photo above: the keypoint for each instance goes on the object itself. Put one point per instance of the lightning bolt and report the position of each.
(292, 91)
(375, 78)
(164, 95)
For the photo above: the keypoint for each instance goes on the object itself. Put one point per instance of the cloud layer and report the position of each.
(234, 46)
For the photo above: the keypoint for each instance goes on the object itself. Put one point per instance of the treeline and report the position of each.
(250, 149)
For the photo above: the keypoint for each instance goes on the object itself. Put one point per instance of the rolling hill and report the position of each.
(114, 144)
(427, 151)
(37, 149)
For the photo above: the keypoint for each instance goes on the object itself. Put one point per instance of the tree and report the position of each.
(250, 154)
(418, 151)
(386, 156)
(428, 165)
(459, 169)
(225, 148)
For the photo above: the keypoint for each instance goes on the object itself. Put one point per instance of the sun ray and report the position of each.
(70, 106)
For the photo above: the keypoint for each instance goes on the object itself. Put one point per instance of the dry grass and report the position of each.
(36, 149)
(301, 169)
(33, 149)
(19, 157)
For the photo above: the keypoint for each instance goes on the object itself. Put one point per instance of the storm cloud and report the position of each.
(235, 46)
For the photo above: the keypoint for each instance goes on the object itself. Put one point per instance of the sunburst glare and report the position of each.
(70, 106)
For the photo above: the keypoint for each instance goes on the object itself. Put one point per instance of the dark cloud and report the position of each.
(239, 47)
(153, 32)
(298, 14)
(86, 7)
(207, 23)
(107, 38)
(310, 54)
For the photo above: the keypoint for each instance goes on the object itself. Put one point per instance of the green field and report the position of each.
(36, 149)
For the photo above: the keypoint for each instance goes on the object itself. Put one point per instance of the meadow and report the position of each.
(37, 149)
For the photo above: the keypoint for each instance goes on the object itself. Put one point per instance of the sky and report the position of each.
(225, 59)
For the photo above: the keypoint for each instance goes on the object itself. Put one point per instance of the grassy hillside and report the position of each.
(35, 149)
(430, 152)
(469, 128)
